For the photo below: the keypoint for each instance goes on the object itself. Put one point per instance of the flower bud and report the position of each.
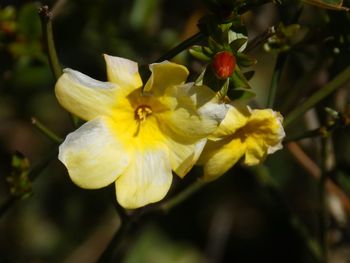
(223, 64)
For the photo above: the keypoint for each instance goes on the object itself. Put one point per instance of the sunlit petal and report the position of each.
(195, 112)
(264, 134)
(85, 97)
(147, 179)
(165, 74)
(236, 117)
(184, 156)
(93, 155)
(123, 72)
(219, 156)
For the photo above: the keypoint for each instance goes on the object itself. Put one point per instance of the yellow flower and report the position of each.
(135, 137)
(247, 133)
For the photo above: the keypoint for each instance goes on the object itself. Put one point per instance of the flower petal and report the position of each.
(264, 133)
(236, 117)
(93, 154)
(165, 74)
(219, 156)
(123, 72)
(195, 113)
(184, 156)
(146, 180)
(85, 97)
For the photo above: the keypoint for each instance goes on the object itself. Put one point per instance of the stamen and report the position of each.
(142, 112)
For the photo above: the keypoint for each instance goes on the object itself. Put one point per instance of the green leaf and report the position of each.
(240, 94)
(210, 79)
(238, 43)
(238, 80)
(213, 45)
(19, 183)
(249, 74)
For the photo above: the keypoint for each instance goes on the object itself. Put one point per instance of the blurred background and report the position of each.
(268, 213)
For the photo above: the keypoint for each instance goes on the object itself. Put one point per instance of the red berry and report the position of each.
(224, 64)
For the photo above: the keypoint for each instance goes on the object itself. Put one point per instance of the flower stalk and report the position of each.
(46, 131)
(46, 24)
(342, 78)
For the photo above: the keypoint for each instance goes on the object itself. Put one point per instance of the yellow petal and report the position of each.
(236, 117)
(147, 179)
(195, 112)
(165, 74)
(123, 72)
(219, 156)
(85, 97)
(264, 134)
(93, 154)
(184, 156)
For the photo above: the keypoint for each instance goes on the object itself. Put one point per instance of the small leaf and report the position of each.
(240, 94)
(238, 80)
(197, 52)
(238, 43)
(20, 185)
(213, 45)
(249, 74)
(245, 60)
(210, 79)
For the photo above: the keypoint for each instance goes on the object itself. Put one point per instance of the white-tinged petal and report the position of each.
(94, 155)
(164, 75)
(123, 72)
(85, 97)
(147, 179)
(195, 112)
(184, 156)
(236, 117)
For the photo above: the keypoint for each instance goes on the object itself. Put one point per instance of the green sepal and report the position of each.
(238, 43)
(213, 45)
(249, 74)
(210, 79)
(240, 94)
(198, 52)
(238, 80)
(245, 60)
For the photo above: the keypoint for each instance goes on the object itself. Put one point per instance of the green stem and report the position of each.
(179, 198)
(277, 73)
(115, 249)
(336, 83)
(181, 47)
(46, 131)
(46, 24)
(115, 245)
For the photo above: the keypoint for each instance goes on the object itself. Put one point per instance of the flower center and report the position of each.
(142, 112)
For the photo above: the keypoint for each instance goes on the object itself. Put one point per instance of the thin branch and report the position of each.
(310, 167)
(167, 205)
(181, 47)
(277, 73)
(46, 24)
(341, 79)
(46, 131)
